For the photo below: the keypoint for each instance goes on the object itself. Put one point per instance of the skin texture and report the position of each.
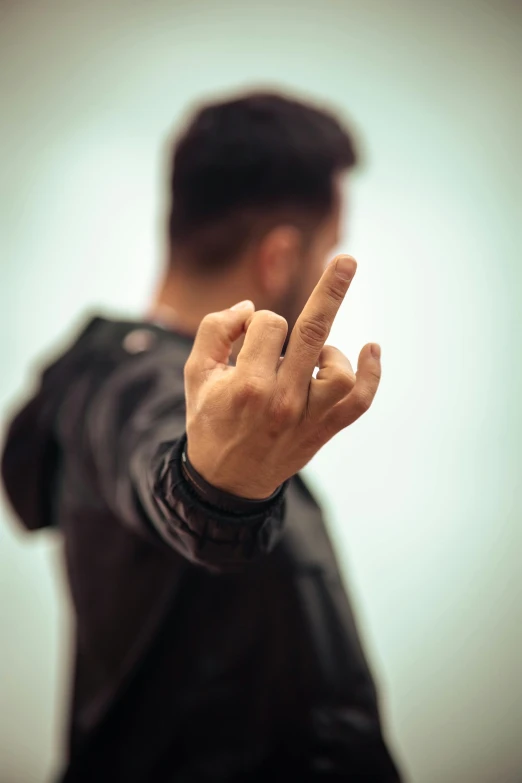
(253, 424)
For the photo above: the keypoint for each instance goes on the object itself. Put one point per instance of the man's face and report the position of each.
(315, 258)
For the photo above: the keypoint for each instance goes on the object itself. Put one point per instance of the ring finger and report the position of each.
(334, 381)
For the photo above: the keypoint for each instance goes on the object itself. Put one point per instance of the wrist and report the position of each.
(221, 497)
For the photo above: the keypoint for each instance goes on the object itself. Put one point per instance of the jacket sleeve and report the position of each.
(133, 439)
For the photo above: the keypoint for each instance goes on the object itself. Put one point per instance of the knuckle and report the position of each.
(336, 291)
(375, 375)
(362, 402)
(271, 320)
(251, 390)
(188, 370)
(314, 330)
(343, 381)
(283, 412)
(211, 321)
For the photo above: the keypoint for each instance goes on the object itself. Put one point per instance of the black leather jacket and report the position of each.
(214, 638)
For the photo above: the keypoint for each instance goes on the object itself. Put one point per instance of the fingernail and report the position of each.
(245, 305)
(345, 267)
(376, 351)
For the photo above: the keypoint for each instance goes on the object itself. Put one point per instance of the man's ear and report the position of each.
(278, 259)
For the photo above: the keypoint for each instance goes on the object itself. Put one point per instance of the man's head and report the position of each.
(255, 190)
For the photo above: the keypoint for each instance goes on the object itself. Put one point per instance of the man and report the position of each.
(214, 638)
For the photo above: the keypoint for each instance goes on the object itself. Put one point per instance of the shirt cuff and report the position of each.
(225, 501)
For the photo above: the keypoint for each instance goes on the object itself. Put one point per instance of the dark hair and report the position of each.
(246, 164)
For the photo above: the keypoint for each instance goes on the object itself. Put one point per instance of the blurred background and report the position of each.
(430, 539)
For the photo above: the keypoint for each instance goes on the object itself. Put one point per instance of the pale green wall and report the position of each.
(430, 536)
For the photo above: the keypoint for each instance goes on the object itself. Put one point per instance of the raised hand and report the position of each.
(252, 426)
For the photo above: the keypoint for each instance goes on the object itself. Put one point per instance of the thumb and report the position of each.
(218, 331)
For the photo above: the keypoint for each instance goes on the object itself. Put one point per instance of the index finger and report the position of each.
(216, 335)
(313, 325)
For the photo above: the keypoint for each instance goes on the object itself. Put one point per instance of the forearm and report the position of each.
(133, 436)
(209, 527)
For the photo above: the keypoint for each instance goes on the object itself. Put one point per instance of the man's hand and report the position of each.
(252, 426)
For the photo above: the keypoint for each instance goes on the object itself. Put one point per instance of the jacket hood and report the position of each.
(30, 459)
